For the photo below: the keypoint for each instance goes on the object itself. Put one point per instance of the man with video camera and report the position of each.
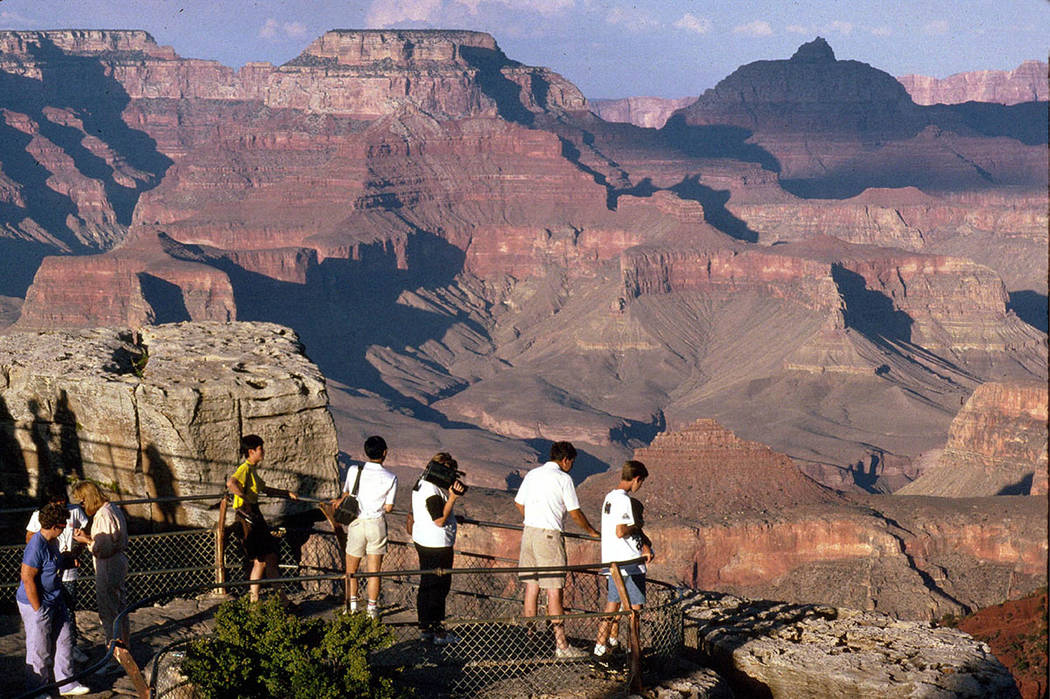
(433, 528)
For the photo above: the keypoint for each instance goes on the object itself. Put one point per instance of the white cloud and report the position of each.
(796, 29)
(269, 29)
(843, 28)
(882, 31)
(274, 30)
(691, 23)
(14, 17)
(756, 28)
(935, 28)
(543, 7)
(632, 19)
(384, 13)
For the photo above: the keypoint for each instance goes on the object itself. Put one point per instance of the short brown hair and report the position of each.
(90, 494)
(633, 469)
(52, 515)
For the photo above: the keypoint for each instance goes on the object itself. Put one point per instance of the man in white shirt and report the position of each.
(623, 540)
(78, 520)
(545, 496)
(366, 536)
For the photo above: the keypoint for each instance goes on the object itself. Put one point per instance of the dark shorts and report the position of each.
(258, 541)
(635, 584)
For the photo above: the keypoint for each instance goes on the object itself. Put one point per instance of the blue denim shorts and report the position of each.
(635, 584)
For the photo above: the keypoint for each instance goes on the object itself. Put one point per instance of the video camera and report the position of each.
(444, 475)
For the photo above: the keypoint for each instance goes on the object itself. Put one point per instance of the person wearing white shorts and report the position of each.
(366, 536)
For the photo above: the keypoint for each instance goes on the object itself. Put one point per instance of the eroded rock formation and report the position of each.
(646, 112)
(162, 412)
(996, 445)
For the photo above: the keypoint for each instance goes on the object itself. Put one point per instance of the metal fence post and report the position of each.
(220, 546)
(636, 641)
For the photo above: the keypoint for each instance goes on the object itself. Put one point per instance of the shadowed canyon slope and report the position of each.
(480, 264)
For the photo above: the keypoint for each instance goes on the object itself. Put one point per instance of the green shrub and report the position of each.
(259, 650)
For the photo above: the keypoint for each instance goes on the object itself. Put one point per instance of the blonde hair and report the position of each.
(90, 494)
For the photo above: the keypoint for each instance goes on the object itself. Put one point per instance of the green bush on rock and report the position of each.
(260, 650)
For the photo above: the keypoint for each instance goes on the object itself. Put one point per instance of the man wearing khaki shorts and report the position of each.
(546, 494)
(366, 536)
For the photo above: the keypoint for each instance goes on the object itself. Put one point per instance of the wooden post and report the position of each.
(123, 656)
(220, 547)
(635, 631)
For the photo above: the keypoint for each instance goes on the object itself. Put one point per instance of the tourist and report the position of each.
(433, 527)
(546, 494)
(108, 543)
(366, 536)
(623, 540)
(47, 620)
(246, 484)
(68, 548)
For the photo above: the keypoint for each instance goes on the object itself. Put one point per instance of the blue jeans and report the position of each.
(49, 641)
(635, 584)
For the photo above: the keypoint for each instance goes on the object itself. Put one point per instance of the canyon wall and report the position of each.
(996, 445)
(1025, 83)
(161, 412)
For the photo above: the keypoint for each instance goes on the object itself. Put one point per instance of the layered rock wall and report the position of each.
(996, 445)
(1025, 83)
(162, 413)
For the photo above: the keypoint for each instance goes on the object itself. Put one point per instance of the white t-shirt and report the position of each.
(424, 531)
(378, 487)
(617, 510)
(77, 520)
(547, 493)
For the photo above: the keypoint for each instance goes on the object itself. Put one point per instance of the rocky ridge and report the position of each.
(1025, 83)
(161, 412)
(996, 445)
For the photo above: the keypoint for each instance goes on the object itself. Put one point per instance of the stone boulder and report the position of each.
(788, 650)
(162, 413)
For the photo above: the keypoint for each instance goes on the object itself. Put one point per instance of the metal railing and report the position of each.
(499, 651)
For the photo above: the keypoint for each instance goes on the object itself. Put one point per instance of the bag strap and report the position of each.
(357, 481)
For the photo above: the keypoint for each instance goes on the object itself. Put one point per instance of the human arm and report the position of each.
(107, 535)
(440, 510)
(29, 581)
(521, 508)
(581, 519)
(280, 493)
(388, 502)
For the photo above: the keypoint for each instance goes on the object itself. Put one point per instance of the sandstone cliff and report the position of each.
(162, 412)
(996, 445)
(731, 515)
(1025, 83)
(646, 112)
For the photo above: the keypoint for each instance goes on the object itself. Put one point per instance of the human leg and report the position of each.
(374, 563)
(532, 595)
(428, 584)
(352, 564)
(37, 625)
(62, 627)
(555, 608)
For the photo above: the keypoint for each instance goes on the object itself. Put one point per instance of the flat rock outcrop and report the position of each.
(786, 650)
(996, 445)
(1025, 83)
(162, 412)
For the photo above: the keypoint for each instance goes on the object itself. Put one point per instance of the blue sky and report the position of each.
(607, 48)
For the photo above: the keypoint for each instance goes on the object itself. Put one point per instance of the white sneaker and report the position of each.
(373, 613)
(569, 652)
(76, 690)
(445, 639)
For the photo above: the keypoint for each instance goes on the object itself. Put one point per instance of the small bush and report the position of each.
(259, 650)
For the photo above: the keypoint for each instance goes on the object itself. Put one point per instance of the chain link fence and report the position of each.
(497, 652)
